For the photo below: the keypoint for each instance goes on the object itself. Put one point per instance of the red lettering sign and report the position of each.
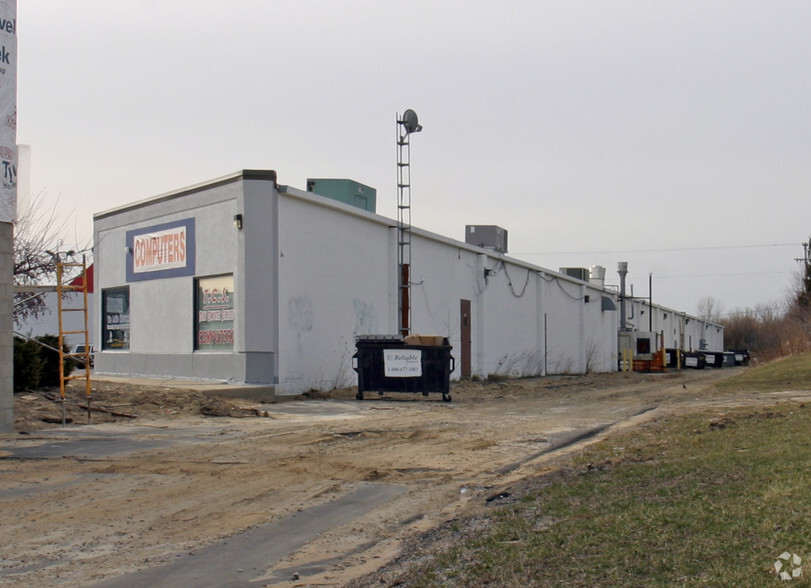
(161, 250)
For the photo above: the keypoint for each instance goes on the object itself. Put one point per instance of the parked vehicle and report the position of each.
(80, 351)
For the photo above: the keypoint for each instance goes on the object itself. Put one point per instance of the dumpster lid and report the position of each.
(378, 338)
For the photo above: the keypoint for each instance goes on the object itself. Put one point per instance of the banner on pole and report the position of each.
(8, 110)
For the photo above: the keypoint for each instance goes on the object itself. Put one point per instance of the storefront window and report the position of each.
(115, 311)
(214, 313)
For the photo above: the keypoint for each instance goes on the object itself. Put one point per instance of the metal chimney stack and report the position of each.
(622, 269)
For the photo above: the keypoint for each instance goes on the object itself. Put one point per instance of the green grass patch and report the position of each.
(789, 373)
(699, 500)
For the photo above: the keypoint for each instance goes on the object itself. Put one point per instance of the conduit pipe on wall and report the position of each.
(481, 368)
(622, 269)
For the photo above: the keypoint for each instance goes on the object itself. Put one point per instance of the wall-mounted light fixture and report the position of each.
(127, 250)
(238, 221)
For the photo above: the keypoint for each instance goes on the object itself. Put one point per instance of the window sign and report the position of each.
(115, 312)
(214, 325)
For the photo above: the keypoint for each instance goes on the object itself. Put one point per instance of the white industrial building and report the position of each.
(243, 280)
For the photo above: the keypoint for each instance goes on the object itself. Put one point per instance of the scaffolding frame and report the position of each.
(61, 289)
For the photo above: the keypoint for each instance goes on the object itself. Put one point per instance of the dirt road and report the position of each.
(345, 482)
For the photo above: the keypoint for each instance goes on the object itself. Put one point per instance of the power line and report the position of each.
(663, 250)
(719, 275)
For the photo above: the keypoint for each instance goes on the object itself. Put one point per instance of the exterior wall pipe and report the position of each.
(650, 302)
(394, 283)
(622, 269)
(582, 330)
(540, 319)
(480, 369)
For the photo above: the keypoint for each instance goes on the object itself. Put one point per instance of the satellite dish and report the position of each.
(411, 122)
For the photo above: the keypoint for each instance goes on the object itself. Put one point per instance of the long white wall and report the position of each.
(311, 274)
(338, 279)
(681, 331)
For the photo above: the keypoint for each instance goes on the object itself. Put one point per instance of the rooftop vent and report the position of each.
(346, 191)
(579, 273)
(487, 236)
(597, 276)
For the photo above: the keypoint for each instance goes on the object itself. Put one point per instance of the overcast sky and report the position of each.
(672, 135)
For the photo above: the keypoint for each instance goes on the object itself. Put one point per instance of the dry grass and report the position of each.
(788, 373)
(707, 499)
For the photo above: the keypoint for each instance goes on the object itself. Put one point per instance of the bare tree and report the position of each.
(38, 240)
(710, 309)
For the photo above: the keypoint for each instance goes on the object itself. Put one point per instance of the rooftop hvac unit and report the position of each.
(346, 191)
(579, 273)
(487, 236)
(597, 276)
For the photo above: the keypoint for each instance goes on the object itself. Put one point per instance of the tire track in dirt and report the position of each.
(87, 521)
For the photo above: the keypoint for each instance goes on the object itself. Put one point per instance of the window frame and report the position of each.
(124, 326)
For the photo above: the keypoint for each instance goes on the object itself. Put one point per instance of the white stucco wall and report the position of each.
(162, 310)
(337, 279)
(333, 284)
(166, 305)
(680, 330)
(311, 273)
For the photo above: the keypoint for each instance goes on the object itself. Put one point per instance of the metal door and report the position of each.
(465, 338)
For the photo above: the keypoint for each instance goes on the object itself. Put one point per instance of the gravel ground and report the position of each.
(173, 471)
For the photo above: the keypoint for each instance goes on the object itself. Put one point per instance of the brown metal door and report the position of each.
(465, 324)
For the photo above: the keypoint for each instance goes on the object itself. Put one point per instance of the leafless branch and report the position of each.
(38, 243)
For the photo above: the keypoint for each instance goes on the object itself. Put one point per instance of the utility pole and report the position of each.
(804, 297)
(805, 258)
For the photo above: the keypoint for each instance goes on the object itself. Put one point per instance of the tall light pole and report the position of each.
(406, 125)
